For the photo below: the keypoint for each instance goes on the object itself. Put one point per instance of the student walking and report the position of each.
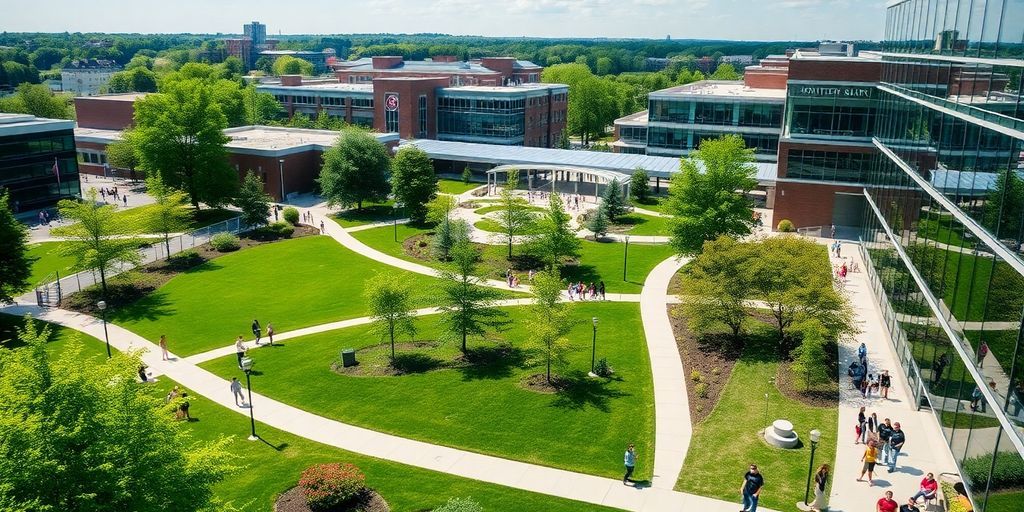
(629, 460)
(239, 349)
(938, 368)
(270, 333)
(873, 426)
(321, 227)
(236, 390)
(896, 441)
(982, 352)
(183, 408)
(163, 346)
(869, 458)
(884, 433)
(256, 333)
(753, 482)
(820, 482)
(600, 289)
(861, 424)
(862, 355)
(886, 503)
(885, 381)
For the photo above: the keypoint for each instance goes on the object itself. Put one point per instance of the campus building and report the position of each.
(944, 224)
(37, 161)
(85, 77)
(288, 160)
(495, 101)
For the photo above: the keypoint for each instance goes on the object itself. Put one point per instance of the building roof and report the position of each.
(524, 64)
(660, 166)
(636, 118)
(506, 89)
(21, 124)
(417, 66)
(322, 86)
(80, 64)
(721, 89)
(272, 141)
(291, 52)
(812, 54)
(127, 96)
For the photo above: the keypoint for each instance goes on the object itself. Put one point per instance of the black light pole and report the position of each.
(625, 258)
(103, 313)
(396, 207)
(280, 167)
(247, 366)
(815, 435)
(593, 350)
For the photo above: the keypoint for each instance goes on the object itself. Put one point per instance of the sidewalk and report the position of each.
(925, 449)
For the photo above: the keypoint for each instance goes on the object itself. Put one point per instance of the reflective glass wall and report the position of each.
(946, 225)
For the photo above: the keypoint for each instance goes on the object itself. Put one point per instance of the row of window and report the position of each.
(327, 101)
(829, 165)
(480, 124)
(482, 105)
(14, 174)
(92, 157)
(970, 28)
(30, 145)
(633, 133)
(827, 117)
(763, 115)
(678, 138)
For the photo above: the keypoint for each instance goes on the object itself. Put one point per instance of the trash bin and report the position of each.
(348, 357)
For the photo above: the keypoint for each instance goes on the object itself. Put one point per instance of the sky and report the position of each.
(680, 19)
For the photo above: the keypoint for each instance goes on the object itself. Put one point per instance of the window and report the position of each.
(423, 116)
(391, 118)
(829, 165)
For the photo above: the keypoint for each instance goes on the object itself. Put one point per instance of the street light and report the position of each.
(815, 435)
(625, 258)
(395, 219)
(280, 167)
(103, 312)
(593, 350)
(247, 366)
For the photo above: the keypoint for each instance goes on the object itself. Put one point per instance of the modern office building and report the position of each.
(944, 226)
(85, 77)
(248, 47)
(504, 105)
(37, 161)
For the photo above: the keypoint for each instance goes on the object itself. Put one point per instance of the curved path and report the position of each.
(671, 410)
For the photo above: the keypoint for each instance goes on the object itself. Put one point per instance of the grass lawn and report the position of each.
(654, 204)
(455, 187)
(59, 337)
(640, 224)
(371, 212)
(599, 260)
(967, 279)
(937, 227)
(293, 283)
(728, 440)
(47, 260)
(493, 227)
(481, 407)
(136, 216)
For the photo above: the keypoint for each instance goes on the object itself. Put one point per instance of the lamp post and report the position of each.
(395, 219)
(625, 258)
(280, 168)
(247, 366)
(815, 436)
(593, 350)
(103, 313)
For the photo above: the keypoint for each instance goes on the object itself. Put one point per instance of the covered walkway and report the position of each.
(559, 178)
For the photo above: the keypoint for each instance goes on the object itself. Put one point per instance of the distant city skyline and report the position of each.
(681, 19)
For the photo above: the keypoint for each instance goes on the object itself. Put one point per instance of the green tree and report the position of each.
(592, 105)
(138, 79)
(556, 239)
(140, 61)
(355, 170)
(413, 182)
(265, 64)
(390, 303)
(288, 65)
(708, 196)
(604, 66)
(253, 201)
(121, 153)
(96, 237)
(515, 218)
(38, 100)
(563, 140)
(598, 222)
(612, 201)
(179, 136)
(551, 320)
(169, 213)
(44, 58)
(88, 424)
(640, 185)
(810, 361)
(449, 233)
(467, 175)
(1004, 209)
(440, 209)
(260, 107)
(715, 287)
(725, 71)
(467, 307)
(15, 265)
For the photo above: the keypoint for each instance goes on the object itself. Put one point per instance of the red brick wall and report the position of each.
(105, 114)
(765, 80)
(806, 204)
(300, 171)
(835, 71)
(408, 92)
(385, 62)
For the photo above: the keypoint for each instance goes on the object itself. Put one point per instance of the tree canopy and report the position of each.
(38, 100)
(138, 79)
(467, 308)
(355, 170)
(413, 182)
(555, 239)
(708, 195)
(390, 304)
(288, 65)
(253, 201)
(15, 265)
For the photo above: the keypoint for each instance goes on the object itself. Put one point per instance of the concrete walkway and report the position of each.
(925, 450)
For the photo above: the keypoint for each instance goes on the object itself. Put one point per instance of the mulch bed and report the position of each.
(131, 286)
(538, 383)
(712, 357)
(410, 358)
(292, 500)
(418, 246)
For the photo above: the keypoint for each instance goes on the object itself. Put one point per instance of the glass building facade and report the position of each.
(480, 119)
(678, 123)
(945, 226)
(27, 157)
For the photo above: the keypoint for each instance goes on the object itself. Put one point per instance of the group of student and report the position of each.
(868, 383)
(581, 291)
(257, 333)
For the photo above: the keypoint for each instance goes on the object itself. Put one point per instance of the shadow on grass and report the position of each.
(372, 213)
(279, 447)
(493, 362)
(415, 362)
(577, 272)
(150, 307)
(630, 220)
(578, 391)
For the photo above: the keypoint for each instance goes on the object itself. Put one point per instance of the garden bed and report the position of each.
(707, 364)
(294, 501)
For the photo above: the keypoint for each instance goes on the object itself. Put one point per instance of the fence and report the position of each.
(157, 250)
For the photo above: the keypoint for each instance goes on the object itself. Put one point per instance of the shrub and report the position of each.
(291, 215)
(467, 175)
(185, 259)
(327, 486)
(282, 228)
(1008, 471)
(602, 369)
(696, 376)
(224, 242)
(950, 493)
(701, 389)
(460, 505)
(786, 226)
